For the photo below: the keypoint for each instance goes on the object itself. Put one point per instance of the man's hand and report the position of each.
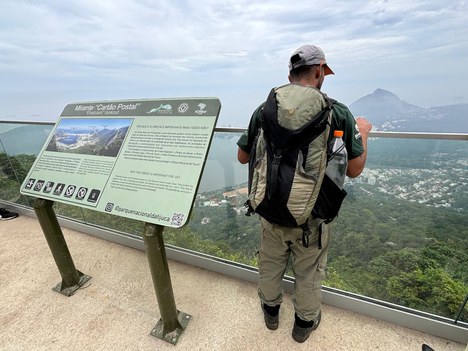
(364, 126)
(356, 165)
(242, 156)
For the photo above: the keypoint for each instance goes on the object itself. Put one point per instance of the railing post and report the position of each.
(172, 322)
(72, 279)
(461, 309)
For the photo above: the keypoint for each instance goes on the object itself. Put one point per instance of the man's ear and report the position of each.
(289, 78)
(318, 70)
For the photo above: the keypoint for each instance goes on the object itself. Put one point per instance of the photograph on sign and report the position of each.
(90, 136)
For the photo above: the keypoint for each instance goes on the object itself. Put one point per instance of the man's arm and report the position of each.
(247, 139)
(356, 165)
(242, 156)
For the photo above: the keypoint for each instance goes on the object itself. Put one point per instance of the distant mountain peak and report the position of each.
(383, 107)
(381, 95)
(386, 111)
(382, 101)
(384, 93)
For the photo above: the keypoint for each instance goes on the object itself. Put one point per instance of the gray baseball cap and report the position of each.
(309, 55)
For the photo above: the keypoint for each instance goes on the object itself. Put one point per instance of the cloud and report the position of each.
(226, 47)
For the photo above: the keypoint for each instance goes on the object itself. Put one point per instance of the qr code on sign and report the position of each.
(177, 219)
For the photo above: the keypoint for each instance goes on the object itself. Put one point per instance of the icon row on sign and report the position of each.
(60, 188)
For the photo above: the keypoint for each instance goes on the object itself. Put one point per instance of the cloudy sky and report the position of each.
(55, 52)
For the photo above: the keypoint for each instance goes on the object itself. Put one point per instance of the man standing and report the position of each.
(307, 67)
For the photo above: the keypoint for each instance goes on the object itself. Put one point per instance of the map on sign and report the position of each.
(136, 159)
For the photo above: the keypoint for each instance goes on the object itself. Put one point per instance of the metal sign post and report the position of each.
(172, 322)
(72, 279)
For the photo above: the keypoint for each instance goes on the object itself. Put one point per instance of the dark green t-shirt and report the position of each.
(342, 120)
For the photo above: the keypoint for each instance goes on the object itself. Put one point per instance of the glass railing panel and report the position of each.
(20, 144)
(402, 233)
(113, 222)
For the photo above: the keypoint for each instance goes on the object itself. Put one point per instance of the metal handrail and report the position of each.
(372, 134)
(382, 134)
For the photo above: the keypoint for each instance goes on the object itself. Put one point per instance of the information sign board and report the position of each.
(140, 159)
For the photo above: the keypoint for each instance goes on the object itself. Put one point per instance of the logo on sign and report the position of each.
(70, 190)
(109, 207)
(48, 187)
(80, 195)
(93, 195)
(201, 109)
(183, 108)
(59, 188)
(39, 185)
(163, 109)
(30, 183)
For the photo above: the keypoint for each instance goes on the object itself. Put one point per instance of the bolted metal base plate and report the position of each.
(70, 290)
(159, 330)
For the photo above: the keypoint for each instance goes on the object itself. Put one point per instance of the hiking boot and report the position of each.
(5, 214)
(271, 320)
(302, 329)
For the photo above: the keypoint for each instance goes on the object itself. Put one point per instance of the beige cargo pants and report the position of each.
(308, 264)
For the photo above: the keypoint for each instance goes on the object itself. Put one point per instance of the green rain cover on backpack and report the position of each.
(287, 163)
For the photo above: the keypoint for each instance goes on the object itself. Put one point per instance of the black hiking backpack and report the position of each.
(289, 157)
